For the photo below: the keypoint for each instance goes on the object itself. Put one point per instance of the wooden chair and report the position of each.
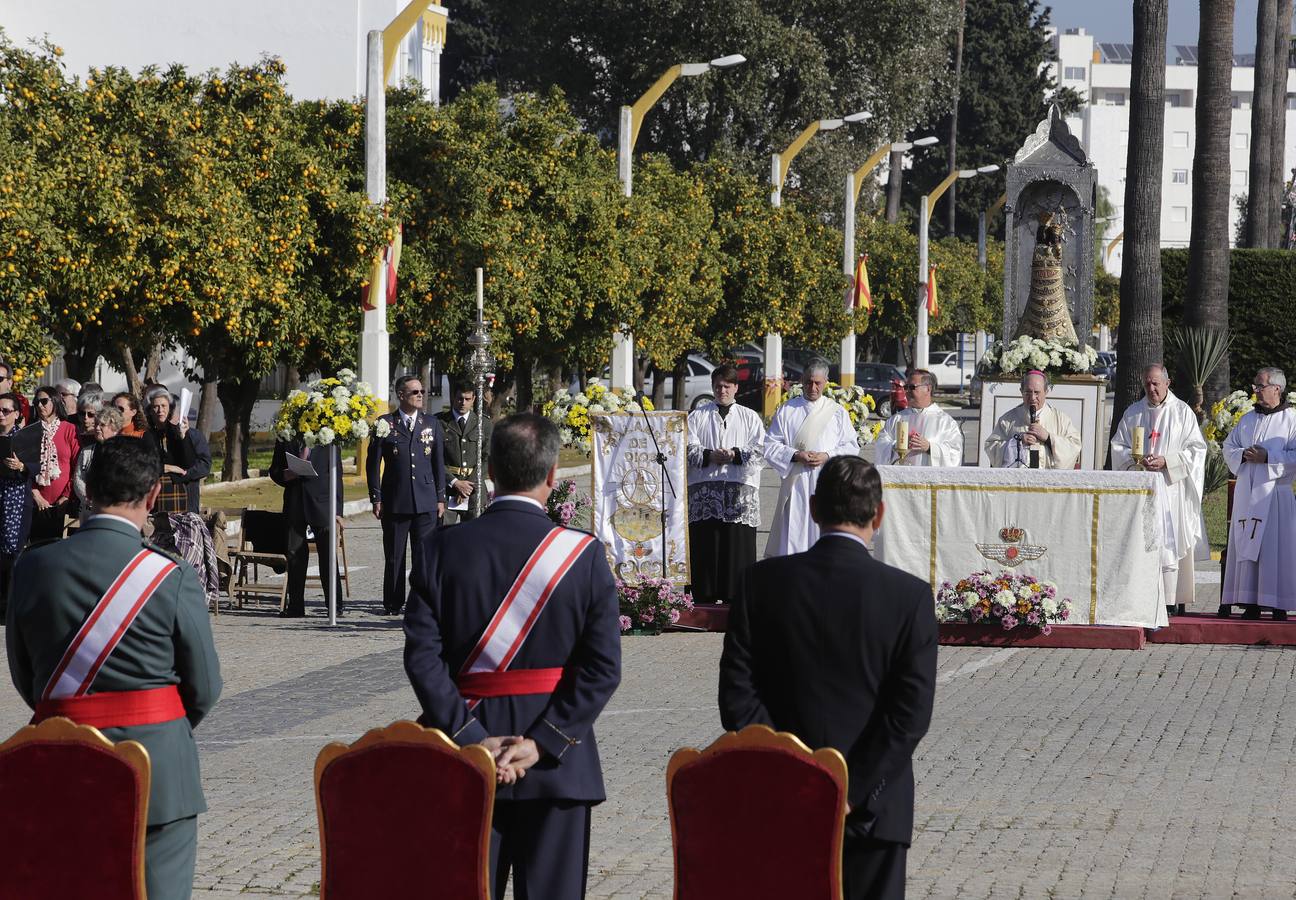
(341, 557)
(76, 812)
(757, 814)
(260, 543)
(404, 812)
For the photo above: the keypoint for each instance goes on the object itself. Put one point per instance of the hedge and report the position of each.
(1262, 308)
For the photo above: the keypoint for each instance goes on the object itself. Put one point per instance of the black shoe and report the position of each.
(1170, 611)
(292, 613)
(387, 610)
(1251, 613)
(1181, 610)
(1225, 611)
(1280, 615)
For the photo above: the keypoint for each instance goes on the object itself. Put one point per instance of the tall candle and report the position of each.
(1139, 432)
(902, 435)
(480, 293)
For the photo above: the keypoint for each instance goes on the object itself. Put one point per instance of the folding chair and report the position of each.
(260, 543)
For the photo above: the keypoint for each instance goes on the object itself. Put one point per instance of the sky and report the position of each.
(1112, 20)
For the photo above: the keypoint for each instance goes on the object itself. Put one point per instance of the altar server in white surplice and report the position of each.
(805, 433)
(1034, 429)
(1174, 448)
(726, 445)
(1261, 452)
(934, 438)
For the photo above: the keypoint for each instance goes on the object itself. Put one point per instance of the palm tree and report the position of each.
(1139, 342)
(1206, 300)
(1259, 197)
(1278, 86)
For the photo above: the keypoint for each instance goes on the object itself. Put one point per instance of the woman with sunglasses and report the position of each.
(132, 412)
(15, 497)
(58, 452)
(108, 423)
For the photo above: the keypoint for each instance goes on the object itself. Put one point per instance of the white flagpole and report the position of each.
(330, 589)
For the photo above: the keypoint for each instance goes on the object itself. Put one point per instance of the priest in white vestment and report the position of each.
(1261, 451)
(804, 434)
(726, 445)
(931, 435)
(1034, 434)
(1171, 445)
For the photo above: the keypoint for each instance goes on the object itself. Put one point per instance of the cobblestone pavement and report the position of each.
(1063, 773)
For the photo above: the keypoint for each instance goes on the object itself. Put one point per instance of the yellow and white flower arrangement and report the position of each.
(1016, 357)
(328, 411)
(1226, 413)
(859, 405)
(571, 412)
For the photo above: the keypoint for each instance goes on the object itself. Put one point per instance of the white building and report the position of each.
(322, 42)
(1100, 73)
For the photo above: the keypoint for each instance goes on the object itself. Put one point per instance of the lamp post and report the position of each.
(632, 118)
(480, 363)
(979, 341)
(780, 163)
(924, 220)
(854, 182)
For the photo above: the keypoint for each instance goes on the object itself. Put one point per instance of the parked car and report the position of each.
(880, 381)
(697, 384)
(1106, 367)
(944, 364)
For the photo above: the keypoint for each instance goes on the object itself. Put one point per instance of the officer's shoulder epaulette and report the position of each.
(149, 545)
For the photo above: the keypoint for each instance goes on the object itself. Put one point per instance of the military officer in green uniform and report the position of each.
(460, 424)
(152, 677)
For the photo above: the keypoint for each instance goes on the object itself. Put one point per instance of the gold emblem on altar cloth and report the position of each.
(638, 515)
(1013, 549)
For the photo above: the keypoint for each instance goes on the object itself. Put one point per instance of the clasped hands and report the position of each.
(1035, 435)
(1255, 455)
(918, 443)
(1154, 463)
(811, 458)
(513, 756)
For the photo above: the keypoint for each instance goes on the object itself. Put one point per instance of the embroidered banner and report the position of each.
(629, 488)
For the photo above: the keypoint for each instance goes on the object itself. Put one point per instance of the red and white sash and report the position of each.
(526, 599)
(107, 624)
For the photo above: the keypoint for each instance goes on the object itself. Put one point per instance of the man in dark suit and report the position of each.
(409, 497)
(306, 503)
(531, 697)
(840, 650)
(157, 682)
(460, 424)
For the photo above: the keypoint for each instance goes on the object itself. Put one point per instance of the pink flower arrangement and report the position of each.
(566, 503)
(1009, 598)
(652, 604)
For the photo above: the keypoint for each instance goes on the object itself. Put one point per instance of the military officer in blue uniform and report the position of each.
(409, 496)
(460, 424)
(530, 697)
(157, 681)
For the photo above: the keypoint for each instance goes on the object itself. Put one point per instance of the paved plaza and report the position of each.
(1046, 773)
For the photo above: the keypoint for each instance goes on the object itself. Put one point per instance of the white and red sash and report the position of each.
(517, 615)
(107, 624)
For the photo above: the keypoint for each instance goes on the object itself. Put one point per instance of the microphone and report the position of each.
(1034, 448)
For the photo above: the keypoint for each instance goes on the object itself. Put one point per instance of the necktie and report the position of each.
(463, 422)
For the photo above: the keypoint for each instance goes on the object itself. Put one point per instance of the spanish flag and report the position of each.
(933, 308)
(384, 265)
(863, 296)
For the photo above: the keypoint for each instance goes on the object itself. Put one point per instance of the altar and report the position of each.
(1097, 535)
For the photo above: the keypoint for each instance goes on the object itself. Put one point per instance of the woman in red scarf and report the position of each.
(59, 448)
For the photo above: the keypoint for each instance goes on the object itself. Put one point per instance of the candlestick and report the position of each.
(481, 294)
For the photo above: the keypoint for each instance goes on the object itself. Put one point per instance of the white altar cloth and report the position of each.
(1095, 534)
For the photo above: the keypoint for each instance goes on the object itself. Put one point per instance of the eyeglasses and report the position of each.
(910, 388)
(66, 394)
(43, 401)
(7, 412)
(418, 393)
(1257, 388)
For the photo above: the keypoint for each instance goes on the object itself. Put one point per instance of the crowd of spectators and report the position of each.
(43, 494)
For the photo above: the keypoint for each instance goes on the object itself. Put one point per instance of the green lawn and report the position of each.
(1214, 507)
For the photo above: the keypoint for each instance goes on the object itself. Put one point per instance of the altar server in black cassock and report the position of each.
(542, 735)
(840, 650)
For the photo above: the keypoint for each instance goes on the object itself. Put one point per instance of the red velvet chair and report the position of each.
(404, 812)
(757, 814)
(75, 809)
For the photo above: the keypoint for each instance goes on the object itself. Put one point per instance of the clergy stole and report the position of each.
(807, 436)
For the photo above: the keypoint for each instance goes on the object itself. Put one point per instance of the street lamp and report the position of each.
(854, 182)
(924, 219)
(780, 163)
(632, 118)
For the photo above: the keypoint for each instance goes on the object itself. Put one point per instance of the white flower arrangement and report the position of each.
(571, 412)
(1225, 414)
(859, 405)
(1025, 353)
(328, 411)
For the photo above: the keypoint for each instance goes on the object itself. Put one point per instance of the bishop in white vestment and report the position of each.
(931, 436)
(804, 434)
(1261, 452)
(726, 445)
(1034, 429)
(1172, 446)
